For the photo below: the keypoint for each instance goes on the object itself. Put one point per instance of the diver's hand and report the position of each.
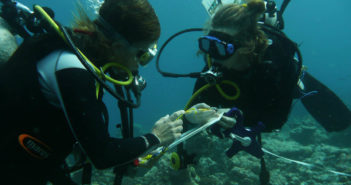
(200, 114)
(168, 128)
(226, 122)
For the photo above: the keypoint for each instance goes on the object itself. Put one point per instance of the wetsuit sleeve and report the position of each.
(77, 88)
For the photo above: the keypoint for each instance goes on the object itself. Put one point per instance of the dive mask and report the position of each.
(145, 56)
(218, 45)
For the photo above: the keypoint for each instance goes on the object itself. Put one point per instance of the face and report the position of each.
(236, 60)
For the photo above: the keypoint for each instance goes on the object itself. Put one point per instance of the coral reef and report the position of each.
(301, 139)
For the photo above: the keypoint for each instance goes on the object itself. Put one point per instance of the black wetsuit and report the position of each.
(266, 89)
(27, 108)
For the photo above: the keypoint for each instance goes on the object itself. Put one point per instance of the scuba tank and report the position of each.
(17, 19)
(8, 42)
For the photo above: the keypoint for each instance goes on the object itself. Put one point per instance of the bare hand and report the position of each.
(200, 114)
(168, 128)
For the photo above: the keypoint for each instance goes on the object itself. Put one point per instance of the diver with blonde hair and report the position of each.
(253, 66)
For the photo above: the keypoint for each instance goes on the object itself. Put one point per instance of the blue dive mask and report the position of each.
(217, 48)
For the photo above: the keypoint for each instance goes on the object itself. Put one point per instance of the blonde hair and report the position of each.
(244, 18)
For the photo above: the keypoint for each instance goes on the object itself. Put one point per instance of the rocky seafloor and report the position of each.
(300, 139)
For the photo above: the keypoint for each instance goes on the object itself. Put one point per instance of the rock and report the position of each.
(214, 167)
(307, 132)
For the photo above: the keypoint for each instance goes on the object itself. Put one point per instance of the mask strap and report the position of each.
(109, 31)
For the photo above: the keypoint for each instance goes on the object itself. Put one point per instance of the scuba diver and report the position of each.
(52, 94)
(253, 66)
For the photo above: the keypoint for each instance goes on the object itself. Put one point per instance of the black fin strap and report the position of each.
(264, 173)
(104, 113)
(87, 173)
(130, 111)
(120, 171)
(123, 108)
(59, 176)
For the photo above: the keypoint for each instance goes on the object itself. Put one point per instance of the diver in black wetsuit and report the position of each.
(266, 67)
(253, 66)
(50, 101)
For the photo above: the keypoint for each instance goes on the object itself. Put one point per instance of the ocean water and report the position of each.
(322, 28)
